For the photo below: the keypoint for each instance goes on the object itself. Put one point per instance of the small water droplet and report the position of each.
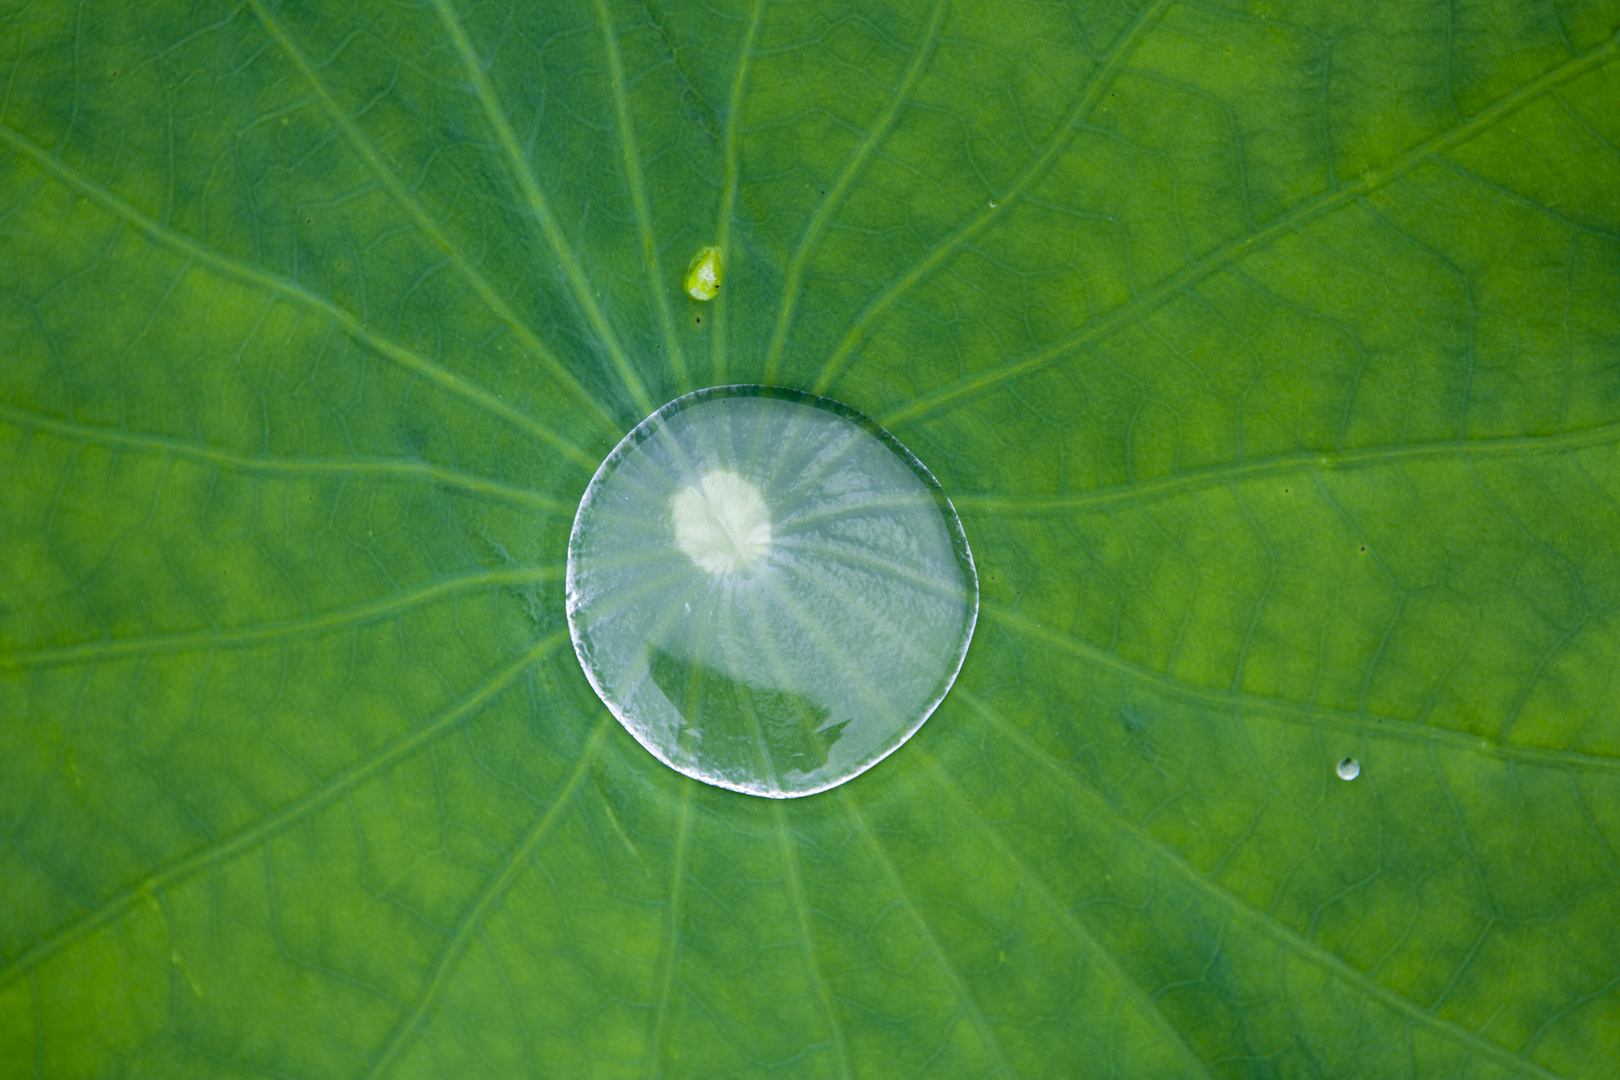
(1349, 769)
(767, 590)
(703, 274)
(992, 204)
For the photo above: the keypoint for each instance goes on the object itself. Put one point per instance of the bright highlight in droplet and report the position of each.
(768, 590)
(722, 523)
(1349, 769)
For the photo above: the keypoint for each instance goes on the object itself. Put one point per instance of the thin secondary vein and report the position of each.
(672, 934)
(1228, 254)
(493, 890)
(964, 234)
(969, 1005)
(292, 290)
(728, 193)
(1134, 992)
(403, 196)
(1214, 476)
(1298, 712)
(584, 294)
(296, 811)
(278, 465)
(801, 911)
(210, 640)
(1285, 937)
(875, 134)
(638, 195)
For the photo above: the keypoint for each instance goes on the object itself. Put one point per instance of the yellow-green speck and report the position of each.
(703, 274)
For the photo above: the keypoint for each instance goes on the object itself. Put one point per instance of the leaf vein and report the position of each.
(248, 274)
(1219, 476)
(1289, 939)
(402, 195)
(474, 916)
(728, 193)
(1229, 253)
(279, 465)
(946, 965)
(541, 207)
(638, 194)
(672, 934)
(218, 852)
(809, 241)
(1090, 94)
(1133, 991)
(801, 912)
(279, 630)
(1298, 712)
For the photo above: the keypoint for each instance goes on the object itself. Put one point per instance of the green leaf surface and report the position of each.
(1270, 352)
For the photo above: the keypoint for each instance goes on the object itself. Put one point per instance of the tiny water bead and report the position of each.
(768, 590)
(1349, 769)
(703, 274)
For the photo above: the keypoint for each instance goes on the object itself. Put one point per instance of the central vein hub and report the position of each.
(722, 524)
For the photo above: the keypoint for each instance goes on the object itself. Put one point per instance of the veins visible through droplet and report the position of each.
(768, 591)
(722, 524)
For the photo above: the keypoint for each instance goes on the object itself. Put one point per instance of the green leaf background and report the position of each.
(1271, 353)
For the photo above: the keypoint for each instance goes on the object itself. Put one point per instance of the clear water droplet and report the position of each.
(1349, 769)
(768, 590)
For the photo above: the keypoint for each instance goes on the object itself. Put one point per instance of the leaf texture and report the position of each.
(1270, 353)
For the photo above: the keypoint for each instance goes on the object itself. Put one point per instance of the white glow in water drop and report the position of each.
(768, 591)
(722, 524)
(1349, 769)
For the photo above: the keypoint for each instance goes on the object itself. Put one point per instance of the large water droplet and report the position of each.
(768, 590)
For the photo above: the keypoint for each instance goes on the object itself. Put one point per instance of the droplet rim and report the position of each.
(646, 429)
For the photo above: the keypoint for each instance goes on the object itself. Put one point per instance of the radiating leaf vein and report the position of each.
(473, 917)
(293, 291)
(441, 240)
(1230, 253)
(217, 853)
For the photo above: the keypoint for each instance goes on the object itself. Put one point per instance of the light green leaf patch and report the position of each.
(1270, 353)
